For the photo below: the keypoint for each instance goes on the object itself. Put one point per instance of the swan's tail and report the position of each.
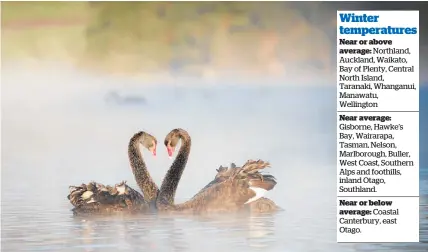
(258, 183)
(94, 198)
(253, 167)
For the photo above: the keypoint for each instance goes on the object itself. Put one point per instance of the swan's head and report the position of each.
(149, 142)
(171, 141)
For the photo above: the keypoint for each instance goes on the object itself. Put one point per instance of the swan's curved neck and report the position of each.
(139, 169)
(173, 176)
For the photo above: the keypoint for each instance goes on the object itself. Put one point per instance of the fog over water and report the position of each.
(56, 135)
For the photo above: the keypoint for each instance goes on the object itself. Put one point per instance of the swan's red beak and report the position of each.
(170, 151)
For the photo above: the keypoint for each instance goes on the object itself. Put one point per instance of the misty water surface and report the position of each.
(62, 127)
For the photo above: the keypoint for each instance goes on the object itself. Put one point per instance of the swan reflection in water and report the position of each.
(130, 233)
(176, 232)
(114, 232)
(261, 231)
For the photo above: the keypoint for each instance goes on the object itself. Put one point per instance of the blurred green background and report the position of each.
(193, 38)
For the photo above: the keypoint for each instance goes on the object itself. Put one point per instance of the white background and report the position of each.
(407, 229)
(406, 140)
(389, 100)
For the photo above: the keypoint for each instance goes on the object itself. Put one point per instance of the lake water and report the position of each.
(62, 127)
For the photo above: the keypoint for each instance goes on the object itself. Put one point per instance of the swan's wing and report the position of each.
(93, 198)
(213, 182)
(223, 173)
(240, 186)
(250, 170)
